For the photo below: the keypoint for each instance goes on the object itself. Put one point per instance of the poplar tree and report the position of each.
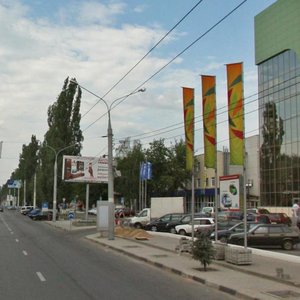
(64, 130)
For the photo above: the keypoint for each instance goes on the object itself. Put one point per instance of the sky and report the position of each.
(98, 43)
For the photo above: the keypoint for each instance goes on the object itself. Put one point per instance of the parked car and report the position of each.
(258, 218)
(230, 215)
(199, 224)
(224, 234)
(280, 218)
(25, 209)
(264, 235)
(38, 214)
(1, 208)
(160, 223)
(93, 211)
(124, 212)
(259, 211)
(185, 219)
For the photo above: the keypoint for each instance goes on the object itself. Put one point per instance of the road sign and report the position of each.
(71, 215)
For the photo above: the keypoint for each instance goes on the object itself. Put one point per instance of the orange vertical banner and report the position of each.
(235, 112)
(188, 110)
(209, 119)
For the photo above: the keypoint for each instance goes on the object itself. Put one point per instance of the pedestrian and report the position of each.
(296, 212)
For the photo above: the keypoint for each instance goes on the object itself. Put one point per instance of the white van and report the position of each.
(25, 209)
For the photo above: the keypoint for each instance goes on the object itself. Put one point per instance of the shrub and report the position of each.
(203, 250)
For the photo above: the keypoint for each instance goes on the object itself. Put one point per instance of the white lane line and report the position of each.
(24, 252)
(11, 232)
(17, 240)
(40, 276)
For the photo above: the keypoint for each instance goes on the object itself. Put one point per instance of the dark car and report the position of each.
(160, 223)
(38, 214)
(266, 235)
(230, 215)
(1, 208)
(185, 219)
(224, 234)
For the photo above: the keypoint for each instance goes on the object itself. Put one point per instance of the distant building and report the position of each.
(205, 180)
(277, 50)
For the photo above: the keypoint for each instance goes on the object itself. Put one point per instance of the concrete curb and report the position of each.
(221, 288)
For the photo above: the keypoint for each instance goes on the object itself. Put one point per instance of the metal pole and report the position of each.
(87, 200)
(110, 161)
(18, 197)
(34, 190)
(24, 198)
(193, 200)
(111, 235)
(54, 189)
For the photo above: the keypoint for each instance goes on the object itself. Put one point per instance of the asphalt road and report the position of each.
(41, 262)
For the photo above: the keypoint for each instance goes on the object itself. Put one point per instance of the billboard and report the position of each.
(230, 192)
(14, 184)
(85, 169)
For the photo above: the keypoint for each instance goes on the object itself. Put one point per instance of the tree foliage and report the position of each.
(168, 170)
(203, 250)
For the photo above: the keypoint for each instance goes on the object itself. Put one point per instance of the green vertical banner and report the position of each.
(235, 112)
(209, 119)
(188, 111)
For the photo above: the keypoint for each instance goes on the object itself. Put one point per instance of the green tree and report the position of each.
(27, 168)
(64, 130)
(203, 250)
(168, 168)
(127, 184)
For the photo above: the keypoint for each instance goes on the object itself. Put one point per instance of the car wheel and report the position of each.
(138, 226)
(287, 245)
(153, 228)
(182, 232)
(223, 239)
(172, 230)
(240, 242)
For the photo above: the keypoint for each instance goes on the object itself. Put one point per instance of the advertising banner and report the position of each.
(146, 171)
(236, 113)
(14, 184)
(188, 114)
(85, 169)
(230, 192)
(209, 119)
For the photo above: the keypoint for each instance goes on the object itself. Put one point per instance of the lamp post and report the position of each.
(109, 138)
(56, 153)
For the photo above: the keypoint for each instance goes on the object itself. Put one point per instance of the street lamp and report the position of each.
(56, 153)
(109, 138)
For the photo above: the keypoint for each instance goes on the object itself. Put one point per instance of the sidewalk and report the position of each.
(256, 281)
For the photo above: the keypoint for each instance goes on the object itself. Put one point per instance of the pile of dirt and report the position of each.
(128, 232)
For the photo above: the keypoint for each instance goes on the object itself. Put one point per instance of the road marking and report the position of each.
(24, 252)
(17, 240)
(11, 232)
(40, 276)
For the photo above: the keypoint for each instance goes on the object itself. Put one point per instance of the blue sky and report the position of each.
(97, 42)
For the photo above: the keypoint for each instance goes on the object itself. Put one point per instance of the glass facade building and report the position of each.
(277, 49)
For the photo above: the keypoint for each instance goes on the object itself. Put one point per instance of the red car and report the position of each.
(280, 218)
(124, 212)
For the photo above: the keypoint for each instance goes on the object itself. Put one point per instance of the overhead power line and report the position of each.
(179, 54)
(132, 68)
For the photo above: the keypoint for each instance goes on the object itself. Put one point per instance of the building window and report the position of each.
(213, 181)
(279, 117)
(206, 182)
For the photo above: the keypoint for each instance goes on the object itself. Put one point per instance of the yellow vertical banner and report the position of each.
(235, 112)
(188, 111)
(209, 119)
